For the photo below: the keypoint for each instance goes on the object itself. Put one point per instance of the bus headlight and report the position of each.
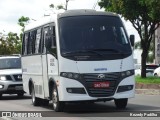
(76, 76)
(64, 74)
(127, 73)
(3, 78)
(70, 75)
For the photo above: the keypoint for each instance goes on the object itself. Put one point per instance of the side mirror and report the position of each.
(132, 39)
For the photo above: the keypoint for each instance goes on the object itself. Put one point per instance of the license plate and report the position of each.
(19, 87)
(101, 84)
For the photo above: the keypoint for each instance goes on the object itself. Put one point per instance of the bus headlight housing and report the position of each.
(3, 78)
(127, 73)
(75, 76)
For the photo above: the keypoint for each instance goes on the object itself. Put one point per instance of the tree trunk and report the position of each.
(143, 64)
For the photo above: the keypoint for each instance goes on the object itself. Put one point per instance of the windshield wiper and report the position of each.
(82, 51)
(114, 50)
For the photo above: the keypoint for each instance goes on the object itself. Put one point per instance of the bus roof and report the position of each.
(84, 12)
(68, 13)
(41, 22)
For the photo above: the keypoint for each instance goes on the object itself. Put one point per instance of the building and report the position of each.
(157, 46)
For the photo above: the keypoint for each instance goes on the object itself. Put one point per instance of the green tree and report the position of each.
(143, 14)
(10, 44)
(151, 52)
(22, 21)
(65, 7)
(51, 5)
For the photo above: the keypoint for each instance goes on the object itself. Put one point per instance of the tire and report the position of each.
(121, 103)
(35, 101)
(155, 75)
(57, 105)
(20, 94)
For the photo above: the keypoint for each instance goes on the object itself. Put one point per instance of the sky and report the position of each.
(12, 10)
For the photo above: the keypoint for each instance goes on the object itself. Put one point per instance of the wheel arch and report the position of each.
(51, 83)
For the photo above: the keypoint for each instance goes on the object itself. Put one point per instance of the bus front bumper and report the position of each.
(72, 90)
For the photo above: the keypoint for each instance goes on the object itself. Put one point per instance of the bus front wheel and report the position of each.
(121, 103)
(57, 105)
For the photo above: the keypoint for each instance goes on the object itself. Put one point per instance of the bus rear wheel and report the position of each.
(57, 105)
(35, 100)
(121, 103)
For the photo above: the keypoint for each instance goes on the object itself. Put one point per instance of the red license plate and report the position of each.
(101, 84)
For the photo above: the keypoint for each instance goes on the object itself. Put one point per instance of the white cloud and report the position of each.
(12, 10)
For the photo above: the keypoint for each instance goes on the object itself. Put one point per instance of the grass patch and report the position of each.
(148, 80)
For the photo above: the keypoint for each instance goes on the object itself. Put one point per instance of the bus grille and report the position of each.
(112, 78)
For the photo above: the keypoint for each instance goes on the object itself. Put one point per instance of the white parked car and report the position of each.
(11, 75)
(149, 70)
(157, 72)
(137, 69)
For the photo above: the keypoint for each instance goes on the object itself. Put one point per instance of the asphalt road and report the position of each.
(141, 103)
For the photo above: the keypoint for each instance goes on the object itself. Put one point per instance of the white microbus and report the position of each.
(78, 55)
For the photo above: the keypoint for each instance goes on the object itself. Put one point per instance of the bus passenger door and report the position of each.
(49, 59)
(52, 56)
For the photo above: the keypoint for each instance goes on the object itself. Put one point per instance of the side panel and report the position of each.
(45, 76)
(52, 72)
(32, 70)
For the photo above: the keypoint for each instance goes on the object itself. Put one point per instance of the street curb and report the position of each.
(148, 91)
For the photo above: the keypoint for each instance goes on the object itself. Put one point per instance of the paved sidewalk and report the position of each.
(148, 91)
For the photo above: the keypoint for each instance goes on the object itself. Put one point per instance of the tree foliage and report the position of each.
(10, 44)
(22, 22)
(144, 16)
(64, 7)
(51, 5)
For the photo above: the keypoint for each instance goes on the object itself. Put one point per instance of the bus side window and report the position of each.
(49, 35)
(25, 44)
(45, 36)
(37, 46)
(31, 42)
(53, 36)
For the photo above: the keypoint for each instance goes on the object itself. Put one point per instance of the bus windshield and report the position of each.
(105, 34)
(10, 63)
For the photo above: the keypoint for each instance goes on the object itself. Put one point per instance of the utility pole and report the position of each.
(66, 4)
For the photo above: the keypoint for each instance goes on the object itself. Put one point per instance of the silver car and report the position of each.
(11, 75)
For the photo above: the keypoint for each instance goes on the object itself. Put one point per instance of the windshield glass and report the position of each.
(10, 63)
(99, 33)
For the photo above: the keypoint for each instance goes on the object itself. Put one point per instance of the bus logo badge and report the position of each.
(101, 76)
